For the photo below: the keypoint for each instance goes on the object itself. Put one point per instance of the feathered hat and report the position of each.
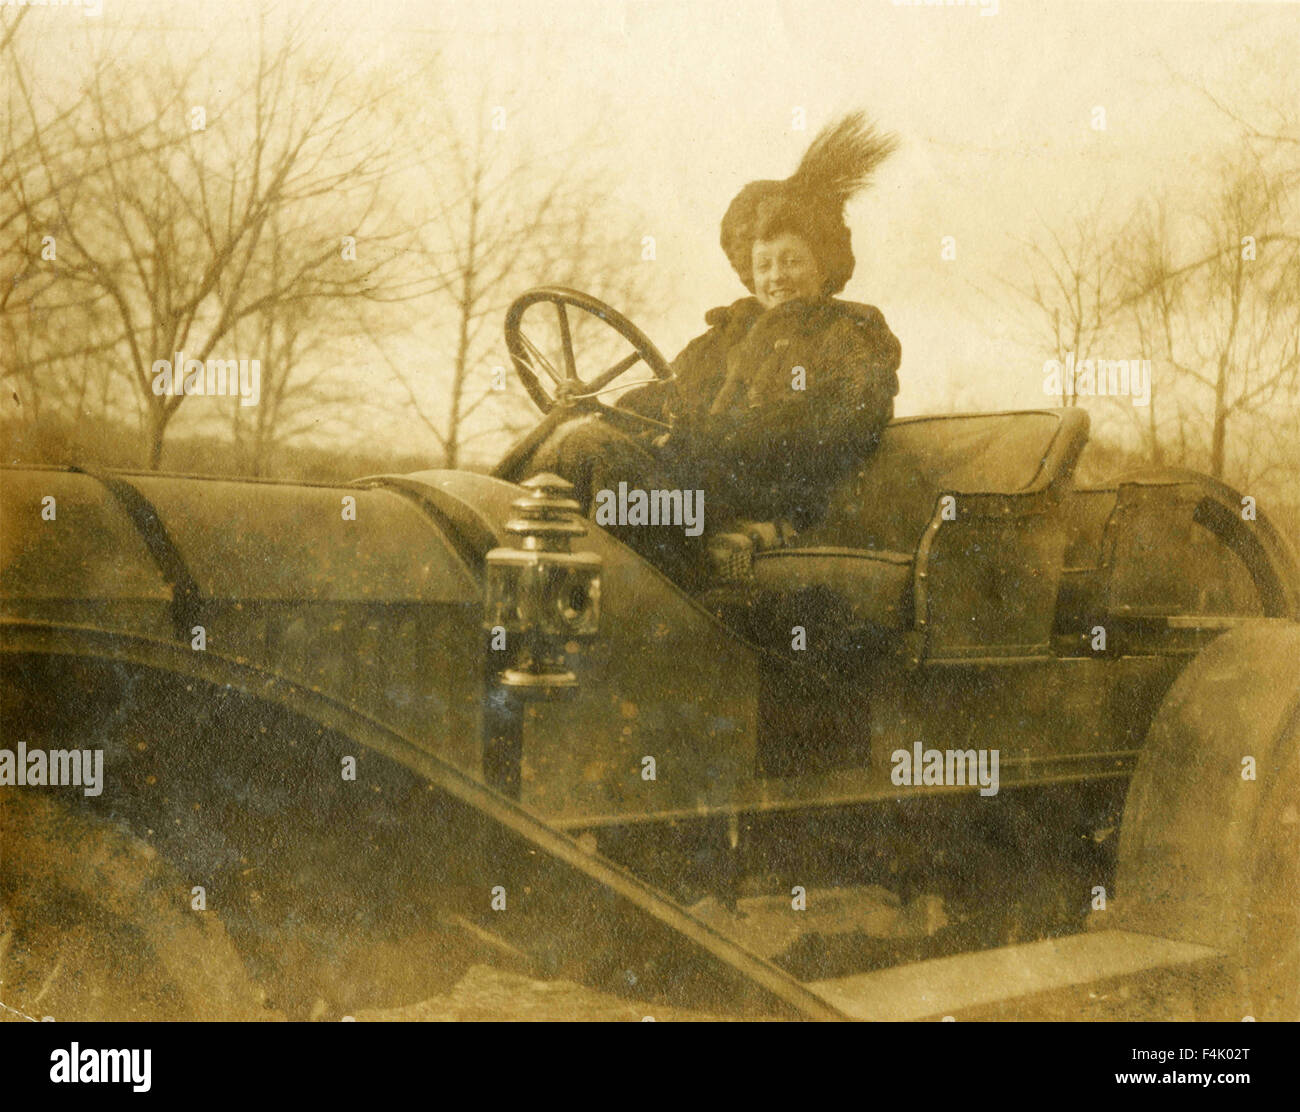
(811, 201)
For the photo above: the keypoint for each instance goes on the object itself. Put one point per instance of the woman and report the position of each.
(788, 388)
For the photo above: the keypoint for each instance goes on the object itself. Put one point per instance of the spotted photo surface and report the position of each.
(630, 511)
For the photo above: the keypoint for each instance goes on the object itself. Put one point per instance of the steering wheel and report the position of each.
(567, 388)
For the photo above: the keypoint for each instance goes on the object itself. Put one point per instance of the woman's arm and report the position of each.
(649, 399)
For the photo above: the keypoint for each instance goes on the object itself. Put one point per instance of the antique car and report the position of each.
(359, 741)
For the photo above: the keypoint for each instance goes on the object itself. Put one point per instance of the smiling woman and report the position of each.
(785, 268)
(807, 207)
(787, 390)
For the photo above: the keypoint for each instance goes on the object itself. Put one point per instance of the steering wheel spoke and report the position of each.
(566, 340)
(536, 354)
(617, 370)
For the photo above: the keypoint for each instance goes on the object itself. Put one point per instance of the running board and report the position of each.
(981, 984)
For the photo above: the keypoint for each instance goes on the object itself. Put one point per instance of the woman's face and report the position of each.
(784, 268)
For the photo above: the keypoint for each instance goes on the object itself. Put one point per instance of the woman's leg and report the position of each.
(594, 456)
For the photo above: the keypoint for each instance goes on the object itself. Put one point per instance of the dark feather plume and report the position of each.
(842, 159)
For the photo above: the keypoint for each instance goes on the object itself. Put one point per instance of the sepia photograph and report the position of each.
(640, 510)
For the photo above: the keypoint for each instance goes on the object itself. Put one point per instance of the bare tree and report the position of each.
(301, 392)
(1211, 294)
(1228, 327)
(1151, 296)
(1071, 288)
(188, 194)
(54, 358)
(502, 219)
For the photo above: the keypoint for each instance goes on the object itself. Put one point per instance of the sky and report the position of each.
(995, 114)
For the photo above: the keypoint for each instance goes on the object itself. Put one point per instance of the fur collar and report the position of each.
(803, 314)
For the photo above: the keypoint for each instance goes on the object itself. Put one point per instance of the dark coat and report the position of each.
(752, 439)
